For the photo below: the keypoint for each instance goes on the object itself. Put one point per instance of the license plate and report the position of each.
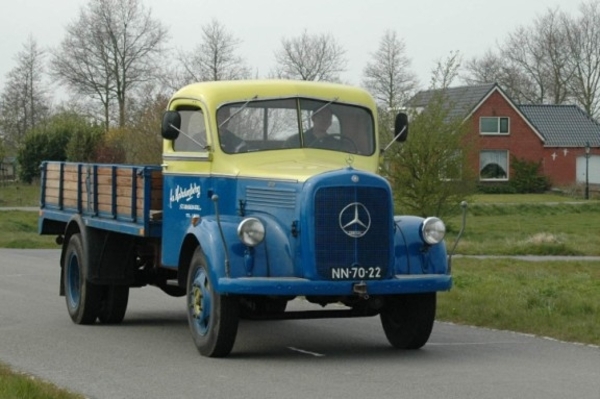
(355, 272)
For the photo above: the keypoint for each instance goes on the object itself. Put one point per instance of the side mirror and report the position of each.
(401, 127)
(171, 124)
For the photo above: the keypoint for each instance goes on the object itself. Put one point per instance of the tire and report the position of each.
(213, 318)
(407, 320)
(83, 297)
(113, 304)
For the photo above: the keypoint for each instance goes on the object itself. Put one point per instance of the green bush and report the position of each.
(495, 188)
(526, 177)
(37, 147)
(84, 143)
(66, 136)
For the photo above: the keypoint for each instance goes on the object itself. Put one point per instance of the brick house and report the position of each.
(556, 135)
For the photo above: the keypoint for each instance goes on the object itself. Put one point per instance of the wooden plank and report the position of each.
(67, 176)
(103, 185)
(52, 166)
(52, 192)
(67, 185)
(51, 200)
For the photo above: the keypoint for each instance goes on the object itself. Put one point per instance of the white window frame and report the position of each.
(498, 124)
(507, 167)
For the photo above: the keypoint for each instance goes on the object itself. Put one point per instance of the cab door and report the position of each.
(186, 173)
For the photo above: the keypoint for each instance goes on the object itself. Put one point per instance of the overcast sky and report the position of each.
(431, 29)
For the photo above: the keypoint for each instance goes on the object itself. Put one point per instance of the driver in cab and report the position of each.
(317, 134)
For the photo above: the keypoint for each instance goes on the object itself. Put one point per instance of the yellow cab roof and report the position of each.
(292, 164)
(214, 94)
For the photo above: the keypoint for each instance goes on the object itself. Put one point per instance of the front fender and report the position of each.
(412, 255)
(227, 256)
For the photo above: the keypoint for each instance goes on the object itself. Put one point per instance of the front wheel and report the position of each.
(83, 298)
(407, 320)
(213, 318)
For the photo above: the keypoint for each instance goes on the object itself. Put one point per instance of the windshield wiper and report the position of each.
(204, 146)
(238, 111)
(325, 106)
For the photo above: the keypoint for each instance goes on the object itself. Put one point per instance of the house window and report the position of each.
(493, 125)
(493, 165)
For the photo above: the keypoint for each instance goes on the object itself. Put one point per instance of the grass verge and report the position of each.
(555, 299)
(18, 229)
(16, 385)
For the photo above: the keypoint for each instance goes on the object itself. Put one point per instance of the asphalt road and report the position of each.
(151, 354)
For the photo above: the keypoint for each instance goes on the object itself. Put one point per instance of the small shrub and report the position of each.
(526, 177)
(495, 188)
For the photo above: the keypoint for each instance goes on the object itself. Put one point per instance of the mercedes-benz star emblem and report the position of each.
(355, 220)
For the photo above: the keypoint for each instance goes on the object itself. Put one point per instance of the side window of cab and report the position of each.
(192, 137)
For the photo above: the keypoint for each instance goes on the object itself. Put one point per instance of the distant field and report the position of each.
(529, 228)
(522, 198)
(17, 194)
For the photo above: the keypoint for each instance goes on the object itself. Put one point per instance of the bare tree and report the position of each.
(310, 57)
(446, 71)
(141, 140)
(485, 69)
(110, 49)
(584, 43)
(532, 65)
(388, 77)
(524, 53)
(492, 67)
(24, 101)
(83, 62)
(215, 57)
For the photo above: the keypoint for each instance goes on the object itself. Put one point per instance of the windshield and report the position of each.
(295, 123)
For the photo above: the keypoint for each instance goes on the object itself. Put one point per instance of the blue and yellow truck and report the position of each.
(267, 191)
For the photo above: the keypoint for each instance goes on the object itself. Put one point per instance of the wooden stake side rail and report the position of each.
(124, 198)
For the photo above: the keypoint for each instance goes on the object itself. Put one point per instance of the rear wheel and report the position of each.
(113, 303)
(83, 297)
(407, 320)
(213, 318)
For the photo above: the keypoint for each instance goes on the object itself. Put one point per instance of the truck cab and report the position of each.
(294, 207)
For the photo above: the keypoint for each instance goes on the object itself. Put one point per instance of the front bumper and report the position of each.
(400, 284)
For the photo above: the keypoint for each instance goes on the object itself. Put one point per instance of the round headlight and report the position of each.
(251, 232)
(433, 230)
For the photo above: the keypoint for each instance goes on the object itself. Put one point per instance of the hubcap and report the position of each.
(200, 302)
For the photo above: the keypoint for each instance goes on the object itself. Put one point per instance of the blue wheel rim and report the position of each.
(200, 302)
(73, 276)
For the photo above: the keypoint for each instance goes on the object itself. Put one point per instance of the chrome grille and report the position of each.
(334, 248)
